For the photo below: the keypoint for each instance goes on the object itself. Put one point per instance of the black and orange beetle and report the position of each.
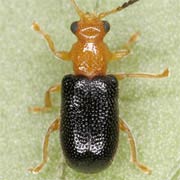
(89, 124)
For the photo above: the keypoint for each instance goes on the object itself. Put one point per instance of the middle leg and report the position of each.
(121, 76)
(47, 99)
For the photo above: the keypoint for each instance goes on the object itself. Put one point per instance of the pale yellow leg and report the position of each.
(59, 54)
(47, 99)
(121, 76)
(117, 55)
(53, 127)
(123, 126)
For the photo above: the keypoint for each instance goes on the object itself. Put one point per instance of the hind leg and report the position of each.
(53, 127)
(123, 126)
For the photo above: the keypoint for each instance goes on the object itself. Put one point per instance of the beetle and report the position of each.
(89, 124)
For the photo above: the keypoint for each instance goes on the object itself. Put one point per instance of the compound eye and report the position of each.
(74, 27)
(106, 26)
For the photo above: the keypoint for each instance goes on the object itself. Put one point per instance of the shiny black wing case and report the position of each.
(89, 130)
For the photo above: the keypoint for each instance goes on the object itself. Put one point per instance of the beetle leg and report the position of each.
(53, 127)
(124, 127)
(59, 54)
(47, 99)
(117, 55)
(121, 76)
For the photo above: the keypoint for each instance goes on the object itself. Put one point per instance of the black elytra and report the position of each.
(89, 130)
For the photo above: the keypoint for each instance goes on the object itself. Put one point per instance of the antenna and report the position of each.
(119, 8)
(78, 10)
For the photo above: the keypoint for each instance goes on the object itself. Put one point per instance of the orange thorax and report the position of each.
(90, 58)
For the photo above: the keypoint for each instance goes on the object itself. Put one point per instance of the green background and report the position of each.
(28, 69)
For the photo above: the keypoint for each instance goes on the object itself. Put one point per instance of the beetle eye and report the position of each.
(74, 27)
(106, 26)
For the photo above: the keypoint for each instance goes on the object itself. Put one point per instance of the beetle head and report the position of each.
(90, 26)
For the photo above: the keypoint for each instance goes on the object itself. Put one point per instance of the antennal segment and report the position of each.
(119, 8)
(97, 5)
(126, 4)
(78, 10)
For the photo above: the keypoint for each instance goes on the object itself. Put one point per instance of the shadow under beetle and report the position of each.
(89, 124)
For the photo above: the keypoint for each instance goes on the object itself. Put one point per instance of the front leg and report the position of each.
(59, 54)
(126, 48)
